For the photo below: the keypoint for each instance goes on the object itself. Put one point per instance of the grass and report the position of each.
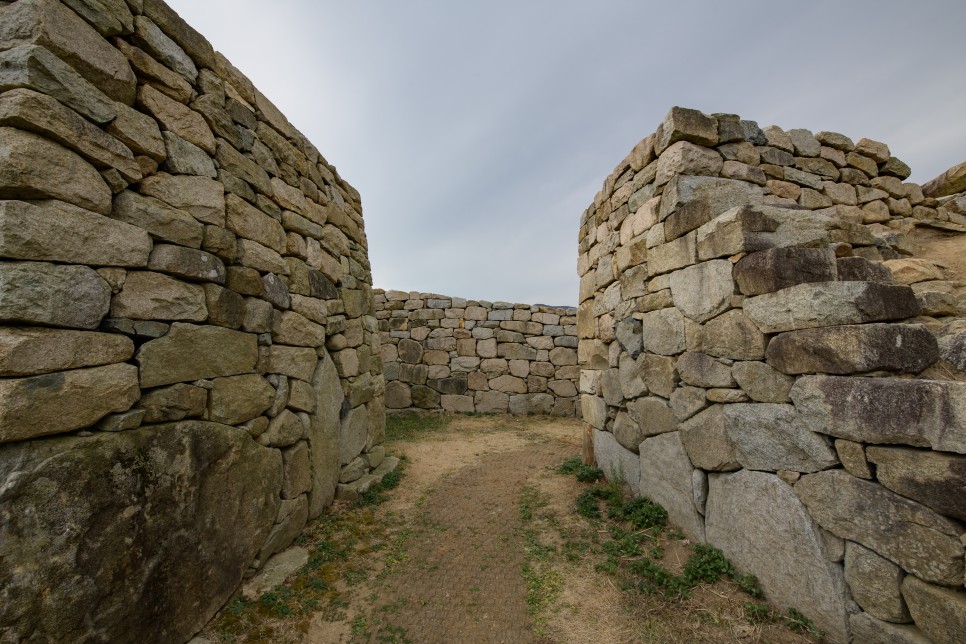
(636, 534)
(414, 426)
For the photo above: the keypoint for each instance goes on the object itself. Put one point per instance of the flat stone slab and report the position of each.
(275, 571)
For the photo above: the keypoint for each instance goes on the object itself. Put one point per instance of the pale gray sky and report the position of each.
(478, 132)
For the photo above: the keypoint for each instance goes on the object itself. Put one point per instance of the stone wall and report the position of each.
(441, 352)
(759, 354)
(188, 356)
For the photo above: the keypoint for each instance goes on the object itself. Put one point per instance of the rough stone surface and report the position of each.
(934, 479)
(762, 382)
(830, 304)
(762, 528)
(921, 413)
(777, 268)
(213, 492)
(703, 291)
(29, 351)
(667, 479)
(236, 399)
(52, 294)
(866, 628)
(875, 584)
(619, 463)
(903, 348)
(939, 612)
(190, 352)
(153, 296)
(903, 531)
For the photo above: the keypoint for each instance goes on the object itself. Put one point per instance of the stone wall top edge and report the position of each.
(562, 310)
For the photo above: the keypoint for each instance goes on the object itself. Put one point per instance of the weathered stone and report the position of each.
(594, 410)
(912, 271)
(939, 612)
(291, 328)
(652, 415)
(212, 495)
(64, 401)
(29, 351)
(932, 478)
(175, 117)
(153, 296)
(261, 258)
(109, 17)
(763, 529)
(323, 435)
(730, 335)
(687, 401)
(683, 124)
(187, 263)
(32, 167)
(874, 583)
(663, 332)
(948, 183)
(689, 202)
(354, 432)
(701, 370)
(184, 157)
(750, 229)
(52, 294)
(44, 115)
(249, 222)
(173, 403)
(410, 351)
(903, 348)
(225, 308)
(190, 352)
(910, 534)
(859, 269)
(139, 132)
(160, 220)
(148, 36)
(762, 382)
(667, 479)
(804, 142)
(868, 629)
(232, 161)
(822, 304)
(628, 334)
(153, 72)
(620, 465)
(289, 522)
(686, 158)
(777, 268)
(201, 197)
(659, 374)
(274, 290)
(56, 231)
(296, 470)
(283, 430)
(703, 291)
(35, 67)
(627, 432)
(921, 413)
(236, 399)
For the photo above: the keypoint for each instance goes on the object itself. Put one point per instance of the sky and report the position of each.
(478, 132)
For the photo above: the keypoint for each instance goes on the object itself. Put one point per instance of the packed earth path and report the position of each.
(480, 542)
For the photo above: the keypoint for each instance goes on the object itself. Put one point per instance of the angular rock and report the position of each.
(261, 258)
(730, 335)
(29, 351)
(293, 329)
(353, 435)
(64, 401)
(52, 294)
(296, 472)
(45, 115)
(492, 402)
(200, 197)
(903, 348)
(663, 332)
(187, 263)
(139, 132)
(148, 36)
(652, 415)
(703, 291)
(283, 430)
(939, 612)
(627, 432)
(859, 269)
(689, 202)
(701, 370)
(189, 352)
(921, 413)
(32, 167)
(866, 628)
(912, 271)
(628, 334)
(948, 183)
(153, 296)
(109, 17)
(173, 403)
(823, 304)
(777, 268)
(761, 382)
(212, 495)
(687, 401)
(620, 465)
(875, 584)
(750, 229)
(295, 362)
(160, 220)
(684, 124)
(34, 67)
(233, 162)
(236, 399)
(659, 374)
(184, 157)
(686, 158)
(56, 231)
(323, 435)
(667, 479)
(935, 479)
(705, 437)
(777, 541)
(249, 222)
(903, 531)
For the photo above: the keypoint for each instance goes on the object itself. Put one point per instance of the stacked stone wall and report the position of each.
(189, 363)
(441, 352)
(759, 354)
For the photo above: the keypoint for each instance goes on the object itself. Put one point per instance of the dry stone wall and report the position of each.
(759, 354)
(189, 364)
(441, 352)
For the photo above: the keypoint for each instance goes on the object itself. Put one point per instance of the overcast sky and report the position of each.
(478, 132)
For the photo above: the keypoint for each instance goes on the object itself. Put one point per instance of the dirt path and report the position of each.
(460, 579)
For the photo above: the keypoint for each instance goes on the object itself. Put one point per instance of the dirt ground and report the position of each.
(480, 542)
